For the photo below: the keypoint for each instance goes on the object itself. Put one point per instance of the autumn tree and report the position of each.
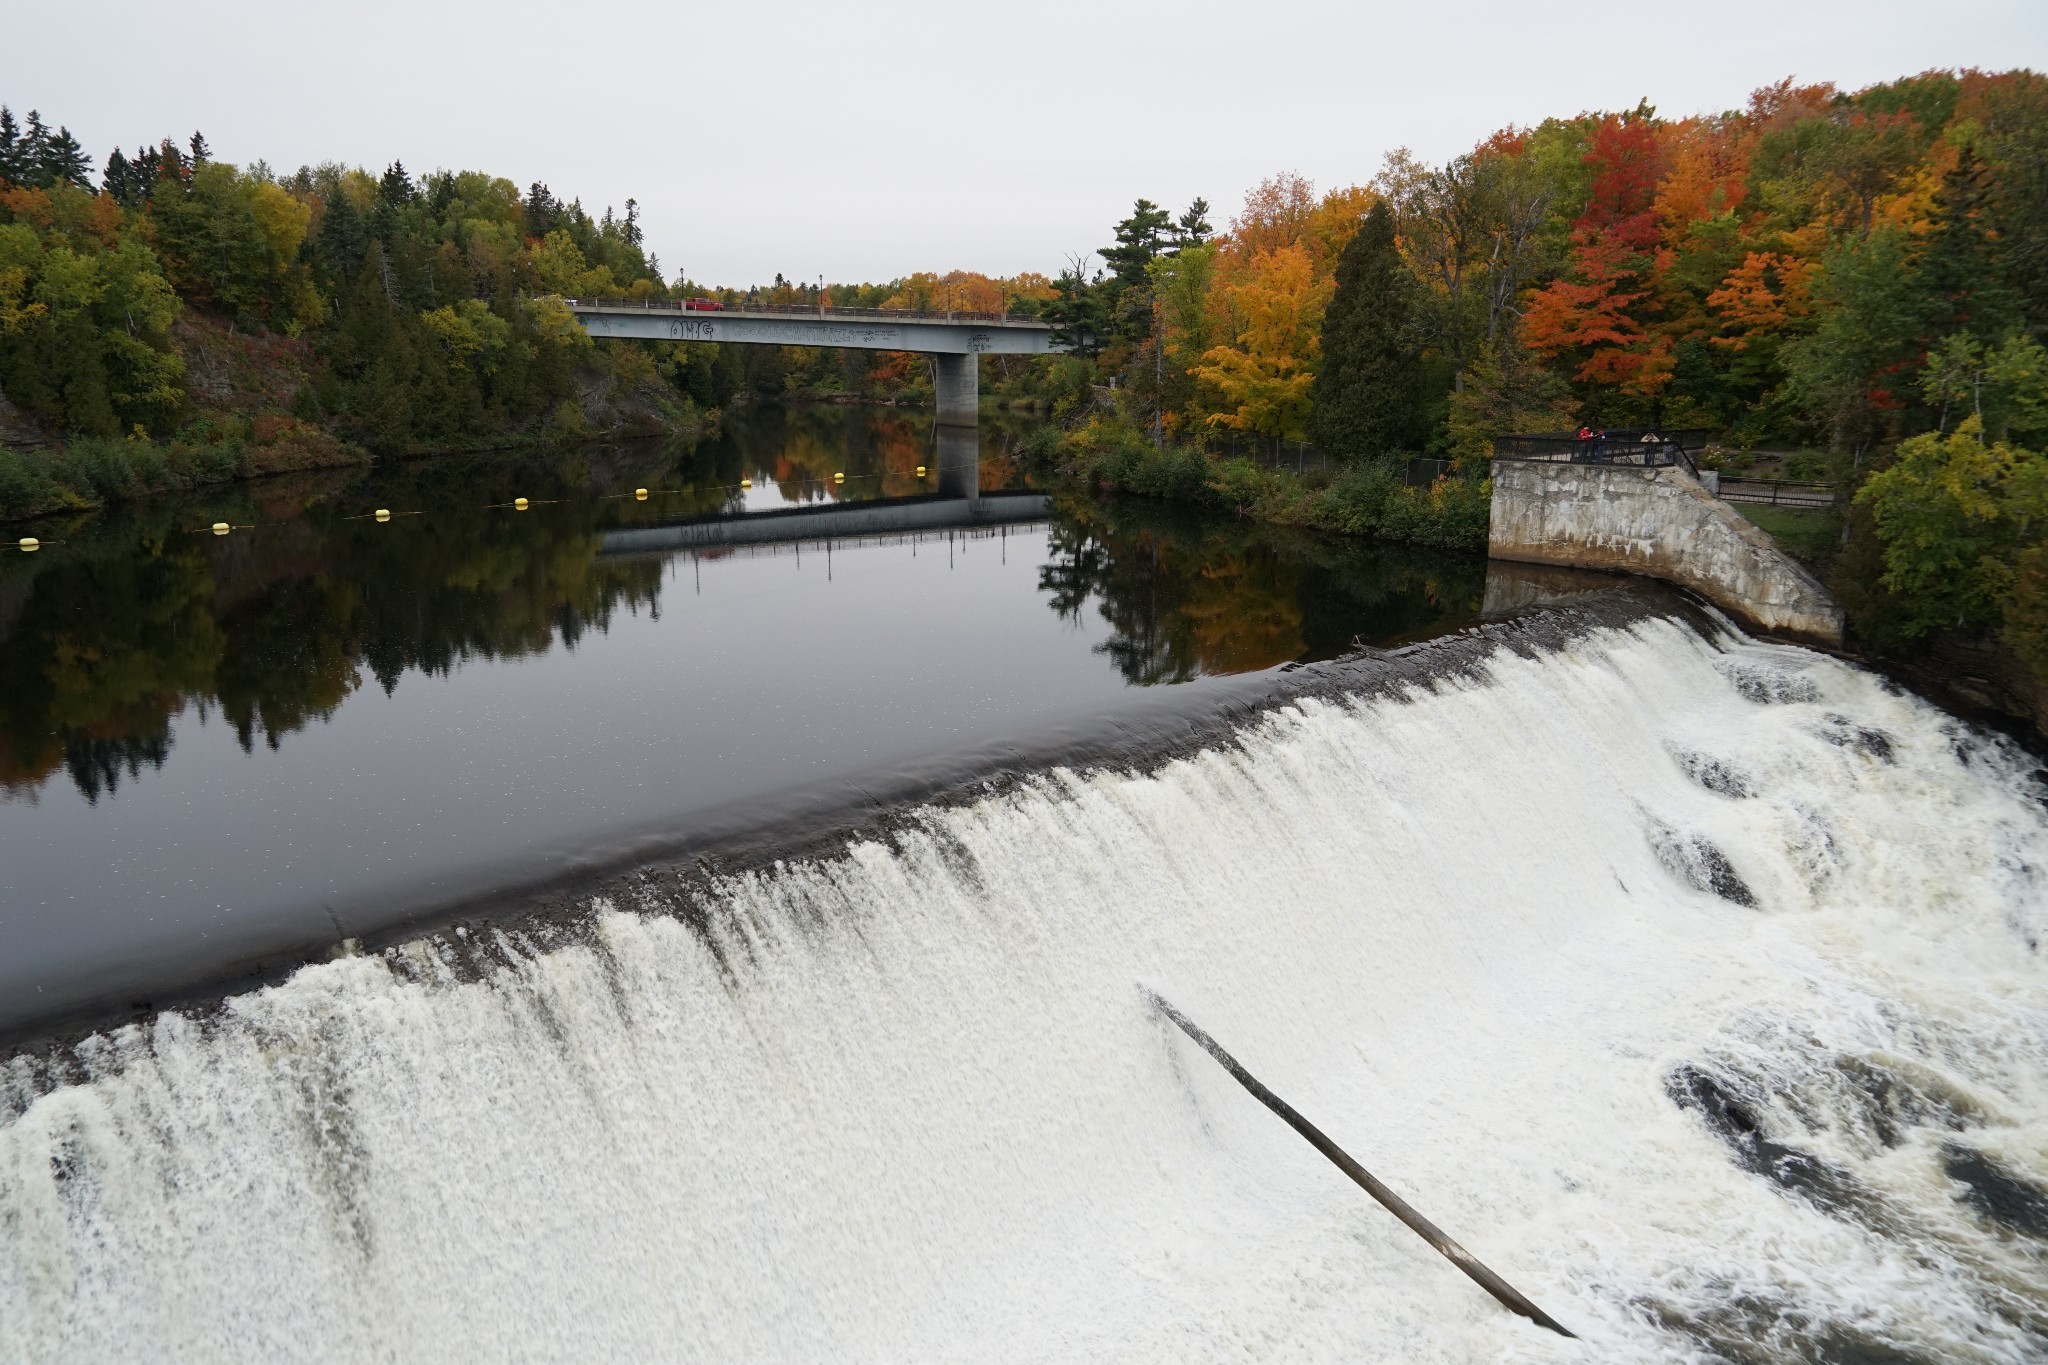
(1265, 374)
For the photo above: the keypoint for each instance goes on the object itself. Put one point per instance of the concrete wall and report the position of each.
(1661, 523)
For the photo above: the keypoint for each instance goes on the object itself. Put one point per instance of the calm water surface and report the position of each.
(213, 747)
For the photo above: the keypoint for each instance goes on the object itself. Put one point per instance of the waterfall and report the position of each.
(1695, 985)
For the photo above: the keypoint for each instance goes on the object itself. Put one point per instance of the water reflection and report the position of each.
(126, 621)
(1189, 595)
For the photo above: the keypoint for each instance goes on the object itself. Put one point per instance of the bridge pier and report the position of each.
(959, 388)
(959, 458)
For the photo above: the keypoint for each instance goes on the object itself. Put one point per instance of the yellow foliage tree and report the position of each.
(1265, 377)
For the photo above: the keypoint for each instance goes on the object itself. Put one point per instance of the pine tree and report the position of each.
(396, 188)
(341, 244)
(10, 146)
(64, 162)
(1367, 398)
(119, 181)
(169, 166)
(200, 151)
(28, 157)
(542, 208)
(1193, 228)
(1961, 261)
(1140, 239)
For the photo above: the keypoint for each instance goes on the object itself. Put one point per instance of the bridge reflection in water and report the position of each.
(959, 504)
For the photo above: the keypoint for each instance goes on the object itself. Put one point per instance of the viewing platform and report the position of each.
(1636, 501)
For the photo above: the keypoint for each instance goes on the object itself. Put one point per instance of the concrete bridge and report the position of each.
(952, 340)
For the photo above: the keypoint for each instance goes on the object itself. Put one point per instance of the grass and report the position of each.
(1811, 535)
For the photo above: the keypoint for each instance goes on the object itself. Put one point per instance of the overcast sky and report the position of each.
(866, 140)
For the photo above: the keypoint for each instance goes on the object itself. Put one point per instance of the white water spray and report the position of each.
(911, 1104)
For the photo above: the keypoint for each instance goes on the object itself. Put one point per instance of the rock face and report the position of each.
(17, 432)
(1659, 522)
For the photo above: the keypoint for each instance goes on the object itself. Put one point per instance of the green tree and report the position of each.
(1509, 390)
(1367, 398)
(10, 147)
(1860, 355)
(1952, 514)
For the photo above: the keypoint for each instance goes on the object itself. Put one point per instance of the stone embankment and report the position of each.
(1659, 522)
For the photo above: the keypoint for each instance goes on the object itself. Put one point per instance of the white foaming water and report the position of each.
(911, 1105)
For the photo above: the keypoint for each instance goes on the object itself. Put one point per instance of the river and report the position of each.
(730, 957)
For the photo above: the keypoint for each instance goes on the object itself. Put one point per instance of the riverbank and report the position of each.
(1369, 498)
(96, 472)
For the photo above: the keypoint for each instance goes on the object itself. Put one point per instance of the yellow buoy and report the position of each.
(839, 478)
(746, 483)
(221, 528)
(383, 514)
(640, 493)
(30, 543)
(520, 503)
(920, 471)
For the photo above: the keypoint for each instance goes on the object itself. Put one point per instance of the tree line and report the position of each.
(1863, 274)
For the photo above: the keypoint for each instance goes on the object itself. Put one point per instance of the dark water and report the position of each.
(214, 746)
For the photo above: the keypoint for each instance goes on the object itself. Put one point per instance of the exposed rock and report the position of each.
(17, 430)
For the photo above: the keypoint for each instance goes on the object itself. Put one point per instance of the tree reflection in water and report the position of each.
(126, 619)
(111, 632)
(1188, 595)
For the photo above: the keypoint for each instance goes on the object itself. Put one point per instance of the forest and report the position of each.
(1854, 283)
(1848, 286)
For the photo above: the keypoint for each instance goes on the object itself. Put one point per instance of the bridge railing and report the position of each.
(801, 310)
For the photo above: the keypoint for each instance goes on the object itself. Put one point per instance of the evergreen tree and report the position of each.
(28, 157)
(1140, 239)
(1367, 398)
(119, 181)
(1961, 263)
(169, 166)
(148, 165)
(542, 209)
(1076, 309)
(341, 244)
(10, 146)
(396, 188)
(64, 162)
(200, 151)
(1193, 228)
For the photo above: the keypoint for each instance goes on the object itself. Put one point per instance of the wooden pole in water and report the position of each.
(1493, 1284)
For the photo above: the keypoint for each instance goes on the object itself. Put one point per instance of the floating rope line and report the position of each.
(30, 544)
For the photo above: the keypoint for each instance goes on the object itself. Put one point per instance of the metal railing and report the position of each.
(1780, 492)
(1423, 471)
(1637, 448)
(1268, 452)
(806, 310)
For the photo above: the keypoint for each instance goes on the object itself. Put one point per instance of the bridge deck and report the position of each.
(867, 329)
